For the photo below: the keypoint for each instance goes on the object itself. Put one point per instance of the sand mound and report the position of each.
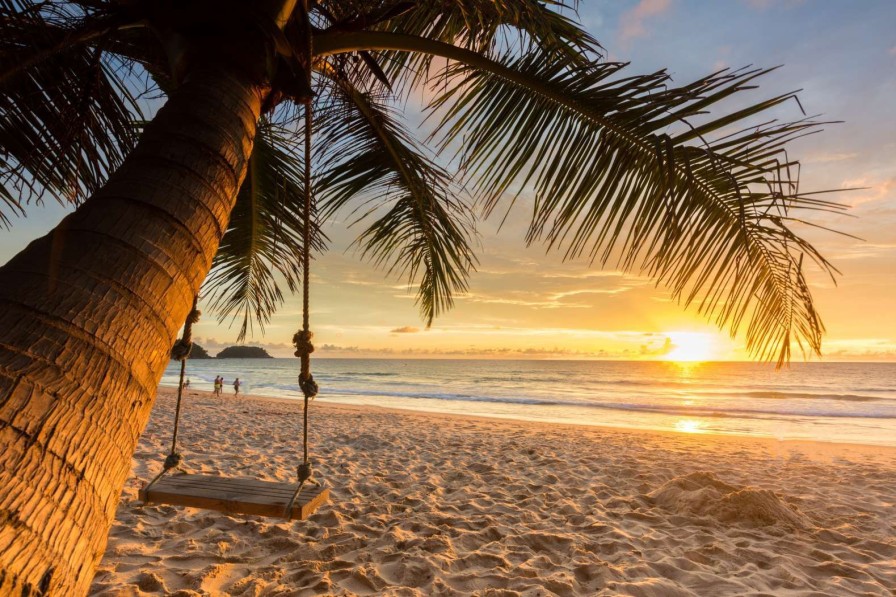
(703, 494)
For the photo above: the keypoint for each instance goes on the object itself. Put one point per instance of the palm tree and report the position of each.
(627, 168)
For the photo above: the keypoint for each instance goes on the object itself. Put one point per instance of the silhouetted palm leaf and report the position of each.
(488, 27)
(65, 122)
(424, 231)
(618, 171)
(710, 219)
(264, 240)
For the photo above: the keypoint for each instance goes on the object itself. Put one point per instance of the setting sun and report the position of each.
(689, 426)
(691, 346)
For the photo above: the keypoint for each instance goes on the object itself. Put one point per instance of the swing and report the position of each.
(239, 495)
(233, 495)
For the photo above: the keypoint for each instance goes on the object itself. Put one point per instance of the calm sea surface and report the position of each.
(837, 402)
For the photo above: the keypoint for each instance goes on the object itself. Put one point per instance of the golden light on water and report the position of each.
(690, 347)
(689, 426)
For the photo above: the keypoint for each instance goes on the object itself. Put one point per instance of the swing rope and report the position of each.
(181, 352)
(302, 338)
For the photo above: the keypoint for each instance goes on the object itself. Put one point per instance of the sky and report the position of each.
(526, 303)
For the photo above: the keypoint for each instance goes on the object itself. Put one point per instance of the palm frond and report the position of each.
(67, 121)
(618, 172)
(424, 230)
(483, 26)
(264, 238)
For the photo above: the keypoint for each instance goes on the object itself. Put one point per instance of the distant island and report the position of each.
(243, 352)
(198, 352)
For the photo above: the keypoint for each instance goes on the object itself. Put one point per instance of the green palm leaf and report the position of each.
(421, 229)
(263, 243)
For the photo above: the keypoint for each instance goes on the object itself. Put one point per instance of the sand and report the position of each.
(426, 504)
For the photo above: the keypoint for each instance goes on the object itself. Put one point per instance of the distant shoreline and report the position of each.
(557, 360)
(811, 445)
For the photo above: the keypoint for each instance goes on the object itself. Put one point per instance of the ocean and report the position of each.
(833, 402)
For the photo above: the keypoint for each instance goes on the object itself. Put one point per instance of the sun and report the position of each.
(691, 347)
(689, 426)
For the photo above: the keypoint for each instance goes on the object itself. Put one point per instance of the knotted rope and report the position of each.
(181, 352)
(302, 338)
(304, 348)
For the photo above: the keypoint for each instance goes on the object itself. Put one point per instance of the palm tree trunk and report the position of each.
(88, 315)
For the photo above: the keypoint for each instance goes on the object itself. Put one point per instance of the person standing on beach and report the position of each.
(219, 382)
(236, 387)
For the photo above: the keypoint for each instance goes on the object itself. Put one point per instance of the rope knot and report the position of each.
(181, 350)
(173, 460)
(308, 385)
(304, 472)
(302, 342)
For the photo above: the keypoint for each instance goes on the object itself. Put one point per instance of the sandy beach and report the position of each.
(426, 504)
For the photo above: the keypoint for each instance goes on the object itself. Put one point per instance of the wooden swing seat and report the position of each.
(235, 495)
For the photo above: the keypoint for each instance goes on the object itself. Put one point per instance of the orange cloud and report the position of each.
(405, 329)
(632, 22)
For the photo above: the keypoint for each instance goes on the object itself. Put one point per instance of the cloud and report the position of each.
(823, 158)
(632, 22)
(651, 349)
(865, 349)
(892, 51)
(535, 304)
(588, 274)
(869, 189)
(865, 250)
(762, 5)
(559, 296)
(405, 329)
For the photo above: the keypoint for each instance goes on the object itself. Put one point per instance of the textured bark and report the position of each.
(88, 315)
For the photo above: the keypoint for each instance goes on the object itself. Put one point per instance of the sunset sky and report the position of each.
(526, 303)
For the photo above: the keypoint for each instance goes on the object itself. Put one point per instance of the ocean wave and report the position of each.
(784, 395)
(743, 413)
(703, 387)
(677, 410)
(571, 391)
(453, 397)
(411, 391)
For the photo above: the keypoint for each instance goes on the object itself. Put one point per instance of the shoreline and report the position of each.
(820, 445)
(434, 504)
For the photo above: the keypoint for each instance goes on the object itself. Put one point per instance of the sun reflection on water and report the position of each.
(688, 370)
(689, 426)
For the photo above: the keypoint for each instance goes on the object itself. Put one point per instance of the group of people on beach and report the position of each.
(219, 385)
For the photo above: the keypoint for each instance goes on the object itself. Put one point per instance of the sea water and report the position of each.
(836, 402)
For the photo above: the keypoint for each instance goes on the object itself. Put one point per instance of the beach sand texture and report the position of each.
(446, 505)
